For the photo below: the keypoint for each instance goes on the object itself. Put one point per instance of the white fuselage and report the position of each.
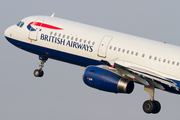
(93, 43)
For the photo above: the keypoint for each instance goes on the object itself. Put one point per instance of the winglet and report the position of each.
(52, 15)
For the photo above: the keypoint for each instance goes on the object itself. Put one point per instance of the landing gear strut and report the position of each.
(39, 72)
(151, 106)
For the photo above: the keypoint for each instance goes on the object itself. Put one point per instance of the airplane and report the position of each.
(113, 61)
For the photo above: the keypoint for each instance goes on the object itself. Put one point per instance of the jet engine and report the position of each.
(105, 80)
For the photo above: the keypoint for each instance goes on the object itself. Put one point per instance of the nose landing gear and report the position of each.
(39, 72)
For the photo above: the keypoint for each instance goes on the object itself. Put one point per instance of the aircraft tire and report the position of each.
(157, 107)
(149, 106)
(38, 73)
(41, 73)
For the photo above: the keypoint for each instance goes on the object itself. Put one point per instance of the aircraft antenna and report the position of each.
(52, 15)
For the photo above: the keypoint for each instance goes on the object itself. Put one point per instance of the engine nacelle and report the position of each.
(106, 80)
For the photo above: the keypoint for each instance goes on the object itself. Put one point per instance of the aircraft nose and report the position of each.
(8, 32)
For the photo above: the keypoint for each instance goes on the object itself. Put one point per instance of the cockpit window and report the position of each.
(20, 24)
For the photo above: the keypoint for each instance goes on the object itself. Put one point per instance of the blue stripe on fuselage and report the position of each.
(54, 54)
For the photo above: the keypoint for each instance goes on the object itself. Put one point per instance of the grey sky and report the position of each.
(61, 93)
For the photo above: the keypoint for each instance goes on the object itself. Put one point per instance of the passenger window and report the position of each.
(150, 57)
(128, 52)
(51, 33)
(84, 41)
(76, 39)
(143, 55)
(59, 35)
(178, 64)
(110, 47)
(155, 58)
(136, 53)
(80, 40)
(67, 37)
(173, 62)
(123, 50)
(89, 42)
(93, 43)
(119, 49)
(114, 48)
(164, 60)
(169, 61)
(55, 34)
(64, 36)
(132, 52)
(159, 59)
(72, 38)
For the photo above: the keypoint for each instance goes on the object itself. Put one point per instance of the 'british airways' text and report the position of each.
(69, 43)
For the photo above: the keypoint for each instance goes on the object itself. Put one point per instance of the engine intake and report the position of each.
(106, 80)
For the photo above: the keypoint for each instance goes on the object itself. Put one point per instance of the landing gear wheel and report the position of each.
(157, 107)
(148, 106)
(151, 107)
(38, 73)
(41, 73)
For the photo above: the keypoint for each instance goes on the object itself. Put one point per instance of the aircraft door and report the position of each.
(103, 46)
(34, 28)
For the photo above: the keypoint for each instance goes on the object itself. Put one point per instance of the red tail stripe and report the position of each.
(45, 25)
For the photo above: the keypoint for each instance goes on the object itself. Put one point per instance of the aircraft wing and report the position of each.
(142, 75)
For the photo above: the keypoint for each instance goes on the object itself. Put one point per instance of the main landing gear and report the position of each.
(39, 72)
(151, 106)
